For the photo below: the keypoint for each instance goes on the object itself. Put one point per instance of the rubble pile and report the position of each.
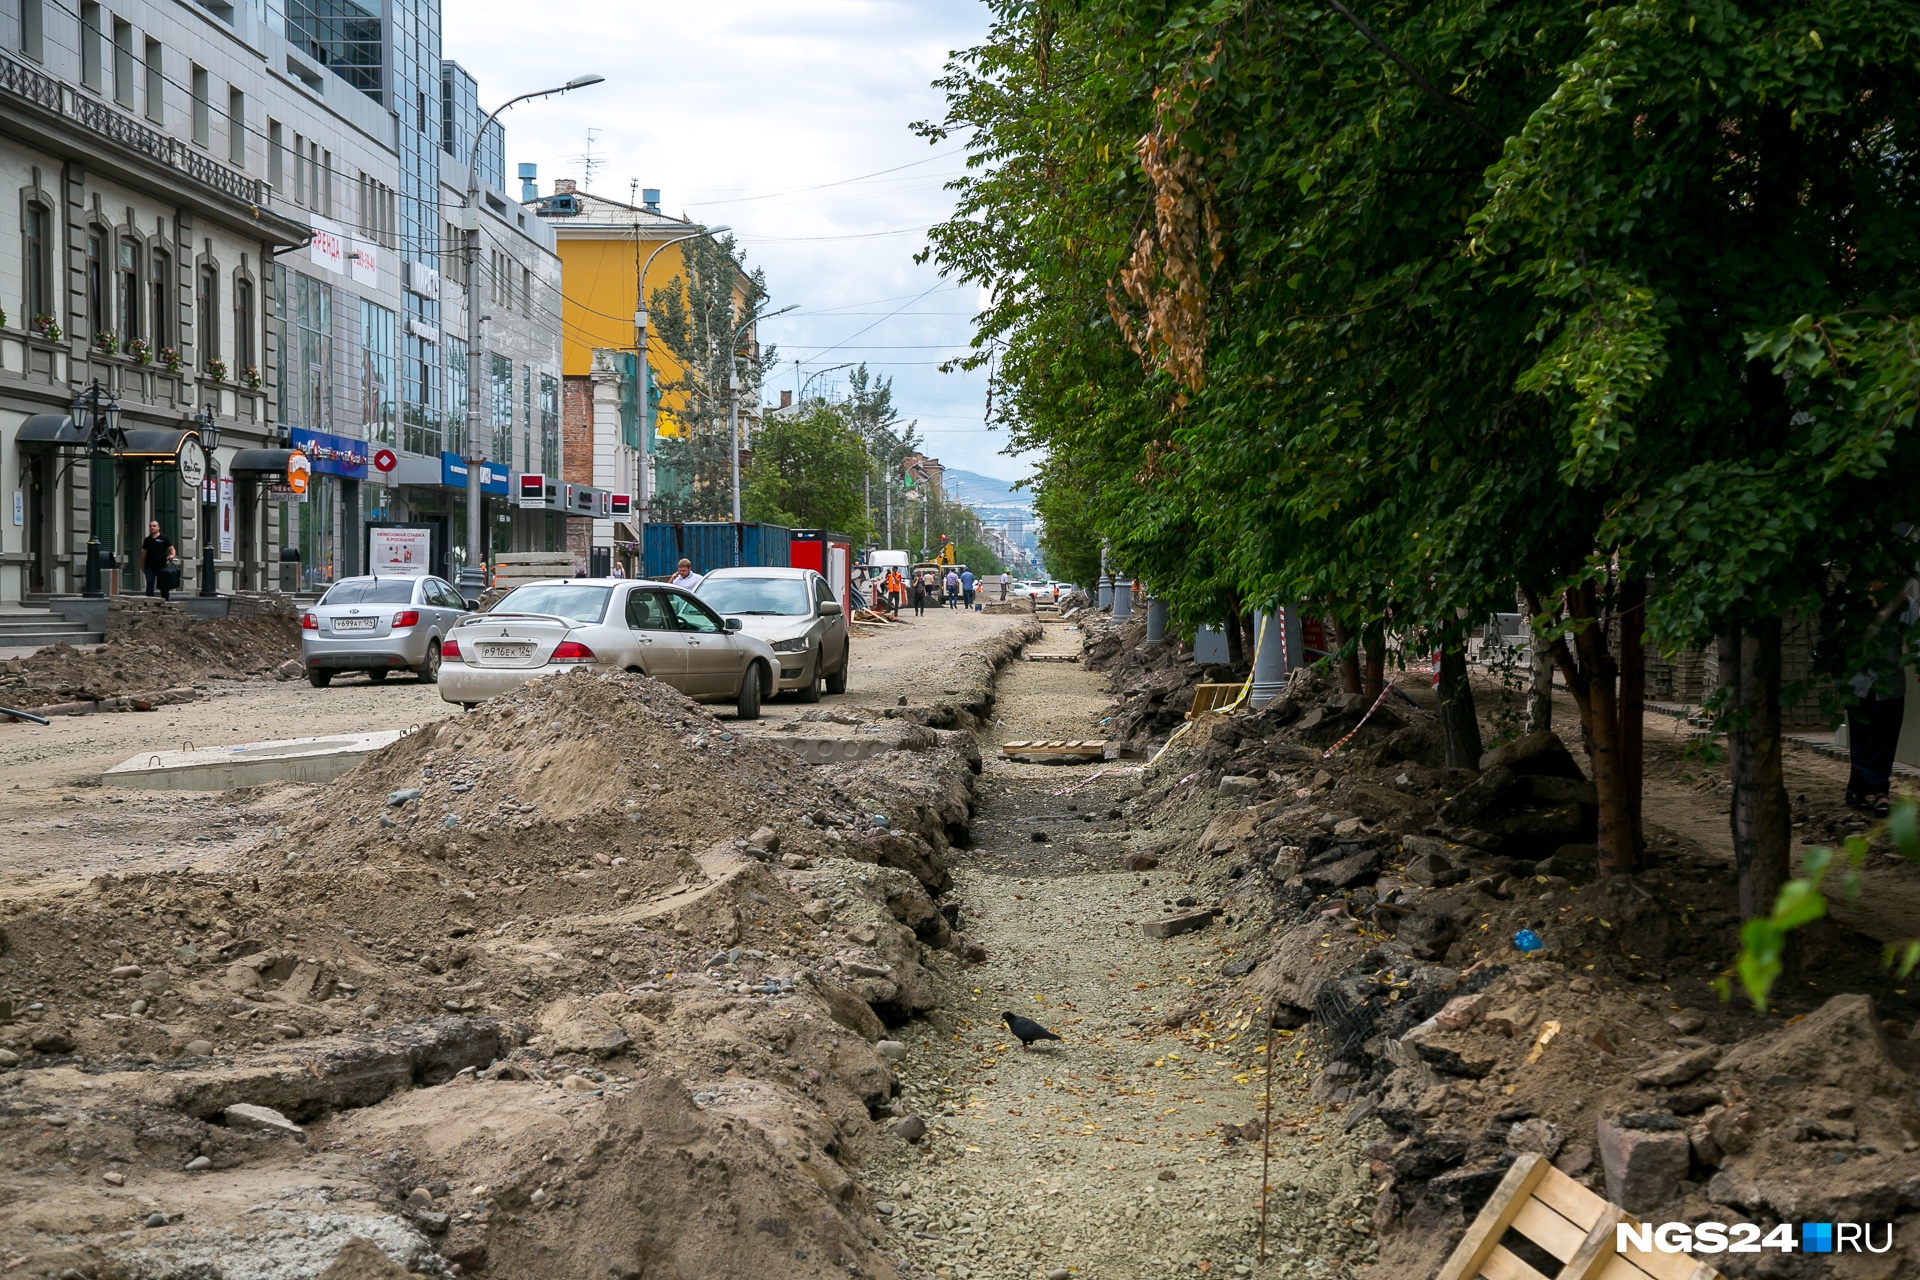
(157, 651)
(1153, 683)
(587, 910)
(1475, 991)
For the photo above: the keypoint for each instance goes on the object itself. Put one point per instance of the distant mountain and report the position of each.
(977, 490)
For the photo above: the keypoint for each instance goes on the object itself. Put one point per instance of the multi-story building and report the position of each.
(242, 210)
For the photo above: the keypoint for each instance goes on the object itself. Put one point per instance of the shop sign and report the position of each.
(384, 461)
(533, 490)
(401, 553)
(280, 491)
(332, 455)
(191, 463)
(453, 475)
(299, 472)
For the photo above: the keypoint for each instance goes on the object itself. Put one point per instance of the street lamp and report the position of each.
(209, 429)
(98, 414)
(733, 404)
(819, 373)
(640, 346)
(472, 577)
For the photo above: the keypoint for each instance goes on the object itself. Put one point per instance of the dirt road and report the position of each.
(1106, 1154)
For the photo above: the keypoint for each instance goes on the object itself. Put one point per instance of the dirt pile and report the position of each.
(156, 652)
(1152, 683)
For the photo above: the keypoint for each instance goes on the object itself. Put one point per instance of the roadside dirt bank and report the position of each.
(590, 982)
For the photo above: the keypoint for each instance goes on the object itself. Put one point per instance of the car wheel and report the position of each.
(429, 671)
(837, 682)
(378, 675)
(747, 705)
(319, 679)
(812, 691)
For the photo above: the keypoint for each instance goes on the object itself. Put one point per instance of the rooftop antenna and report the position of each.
(589, 162)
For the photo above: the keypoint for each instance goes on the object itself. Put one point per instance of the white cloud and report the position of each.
(740, 111)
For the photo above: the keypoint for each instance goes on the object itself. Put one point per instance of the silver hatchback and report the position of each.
(379, 625)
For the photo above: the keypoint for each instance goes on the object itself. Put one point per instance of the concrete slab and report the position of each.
(249, 764)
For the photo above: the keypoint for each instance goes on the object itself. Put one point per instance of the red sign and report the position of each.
(620, 504)
(533, 490)
(384, 461)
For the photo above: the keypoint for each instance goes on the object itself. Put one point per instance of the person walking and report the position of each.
(684, 576)
(1874, 722)
(155, 552)
(953, 589)
(919, 595)
(966, 588)
(1006, 584)
(896, 589)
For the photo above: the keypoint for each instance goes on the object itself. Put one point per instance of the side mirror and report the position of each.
(733, 624)
(830, 608)
(472, 603)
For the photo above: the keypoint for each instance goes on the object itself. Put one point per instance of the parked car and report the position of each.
(795, 612)
(608, 624)
(379, 625)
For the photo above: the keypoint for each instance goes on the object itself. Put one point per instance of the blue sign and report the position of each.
(493, 475)
(332, 455)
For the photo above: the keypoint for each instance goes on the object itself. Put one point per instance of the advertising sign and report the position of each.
(226, 515)
(400, 552)
(533, 490)
(332, 455)
(191, 463)
(620, 505)
(299, 471)
(363, 263)
(329, 248)
(493, 475)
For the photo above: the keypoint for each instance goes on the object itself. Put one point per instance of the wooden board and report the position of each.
(1211, 697)
(1052, 657)
(1568, 1222)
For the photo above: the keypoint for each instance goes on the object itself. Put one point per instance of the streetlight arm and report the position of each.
(473, 152)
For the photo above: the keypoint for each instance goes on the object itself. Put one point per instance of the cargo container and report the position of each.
(714, 545)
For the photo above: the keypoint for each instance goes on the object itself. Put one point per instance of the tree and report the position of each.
(808, 471)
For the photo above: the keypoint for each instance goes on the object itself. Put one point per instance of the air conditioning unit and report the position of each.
(420, 279)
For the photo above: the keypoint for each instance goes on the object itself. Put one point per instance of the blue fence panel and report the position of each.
(714, 545)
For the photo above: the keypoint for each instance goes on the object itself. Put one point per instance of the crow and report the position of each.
(1026, 1030)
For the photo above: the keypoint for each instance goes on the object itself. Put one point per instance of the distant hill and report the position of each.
(977, 490)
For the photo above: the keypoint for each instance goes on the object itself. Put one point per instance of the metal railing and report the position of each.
(43, 90)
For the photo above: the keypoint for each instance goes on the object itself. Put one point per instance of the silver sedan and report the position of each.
(794, 611)
(609, 624)
(379, 625)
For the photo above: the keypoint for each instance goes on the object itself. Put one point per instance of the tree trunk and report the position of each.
(1459, 727)
(1374, 677)
(1235, 652)
(1633, 706)
(1759, 815)
(1540, 690)
(1349, 660)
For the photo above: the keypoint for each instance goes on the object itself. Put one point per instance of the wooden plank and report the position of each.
(1503, 1265)
(1597, 1249)
(1661, 1266)
(1570, 1200)
(1483, 1236)
(1540, 1223)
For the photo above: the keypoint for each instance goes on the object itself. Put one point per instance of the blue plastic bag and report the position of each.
(1528, 942)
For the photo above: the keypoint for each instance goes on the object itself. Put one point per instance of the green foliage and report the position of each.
(1801, 901)
(807, 471)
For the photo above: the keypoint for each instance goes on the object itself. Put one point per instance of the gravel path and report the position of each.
(1103, 1155)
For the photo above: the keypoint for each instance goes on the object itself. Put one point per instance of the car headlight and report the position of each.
(796, 645)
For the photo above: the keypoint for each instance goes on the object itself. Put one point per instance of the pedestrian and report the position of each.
(919, 595)
(618, 570)
(953, 589)
(155, 554)
(966, 588)
(685, 577)
(1874, 722)
(896, 589)
(1006, 584)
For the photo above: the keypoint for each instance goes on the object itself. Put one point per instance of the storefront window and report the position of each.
(377, 373)
(318, 531)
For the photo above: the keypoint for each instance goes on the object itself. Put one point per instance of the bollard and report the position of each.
(1210, 646)
(1122, 598)
(1106, 592)
(1270, 660)
(1156, 621)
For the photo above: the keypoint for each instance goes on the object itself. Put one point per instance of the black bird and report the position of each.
(1026, 1030)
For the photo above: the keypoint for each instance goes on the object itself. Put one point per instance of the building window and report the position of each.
(206, 310)
(156, 82)
(453, 351)
(97, 309)
(128, 269)
(124, 87)
(377, 374)
(305, 308)
(526, 291)
(299, 170)
(326, 183)
(422, 397)
(501, 416)
(549, 424)
(37, 262)
(90, 36)
(33, 29)
(237, 127)
(163, 309)
(453, 255)
(526, 418)
(276, 155)
(245, 357)
(202, 108)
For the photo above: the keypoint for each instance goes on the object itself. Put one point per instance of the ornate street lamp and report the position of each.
(209, 430)
(98, 414)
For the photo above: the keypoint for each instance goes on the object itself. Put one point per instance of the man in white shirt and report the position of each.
(685, 577)
(1006, 583)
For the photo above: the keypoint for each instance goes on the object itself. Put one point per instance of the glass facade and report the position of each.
(377, 373)
(341, 35)
(460, 116)
(303, 308)
(500, 415)
(454, 351)
(416, 101)
(549, 424)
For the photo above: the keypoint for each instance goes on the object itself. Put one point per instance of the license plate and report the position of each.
(505, 651)
(354, 624)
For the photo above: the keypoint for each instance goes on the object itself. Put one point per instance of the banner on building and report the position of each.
(226, 515)
(332, 455)
(493, 475)
(397, 552)
(328, 249)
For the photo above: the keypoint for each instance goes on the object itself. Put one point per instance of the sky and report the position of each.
(787, 120)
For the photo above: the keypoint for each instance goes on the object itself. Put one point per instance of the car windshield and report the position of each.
(370, 591)
(565, 600)
(738, 597)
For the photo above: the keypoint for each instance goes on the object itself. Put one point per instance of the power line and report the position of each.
(841, 182)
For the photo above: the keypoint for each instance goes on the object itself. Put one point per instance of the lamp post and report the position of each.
(209, 430)
(472, 576)
(733, 406)
(640, 348)
(818, 373)
(99, 414)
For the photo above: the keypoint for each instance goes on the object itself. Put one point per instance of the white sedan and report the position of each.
(612, 624)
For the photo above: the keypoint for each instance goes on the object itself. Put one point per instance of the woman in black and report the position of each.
(154, 554)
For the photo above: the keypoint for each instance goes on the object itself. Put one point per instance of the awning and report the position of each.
(260, 461)
(149, 442)
(50, 430)
(56, 430)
